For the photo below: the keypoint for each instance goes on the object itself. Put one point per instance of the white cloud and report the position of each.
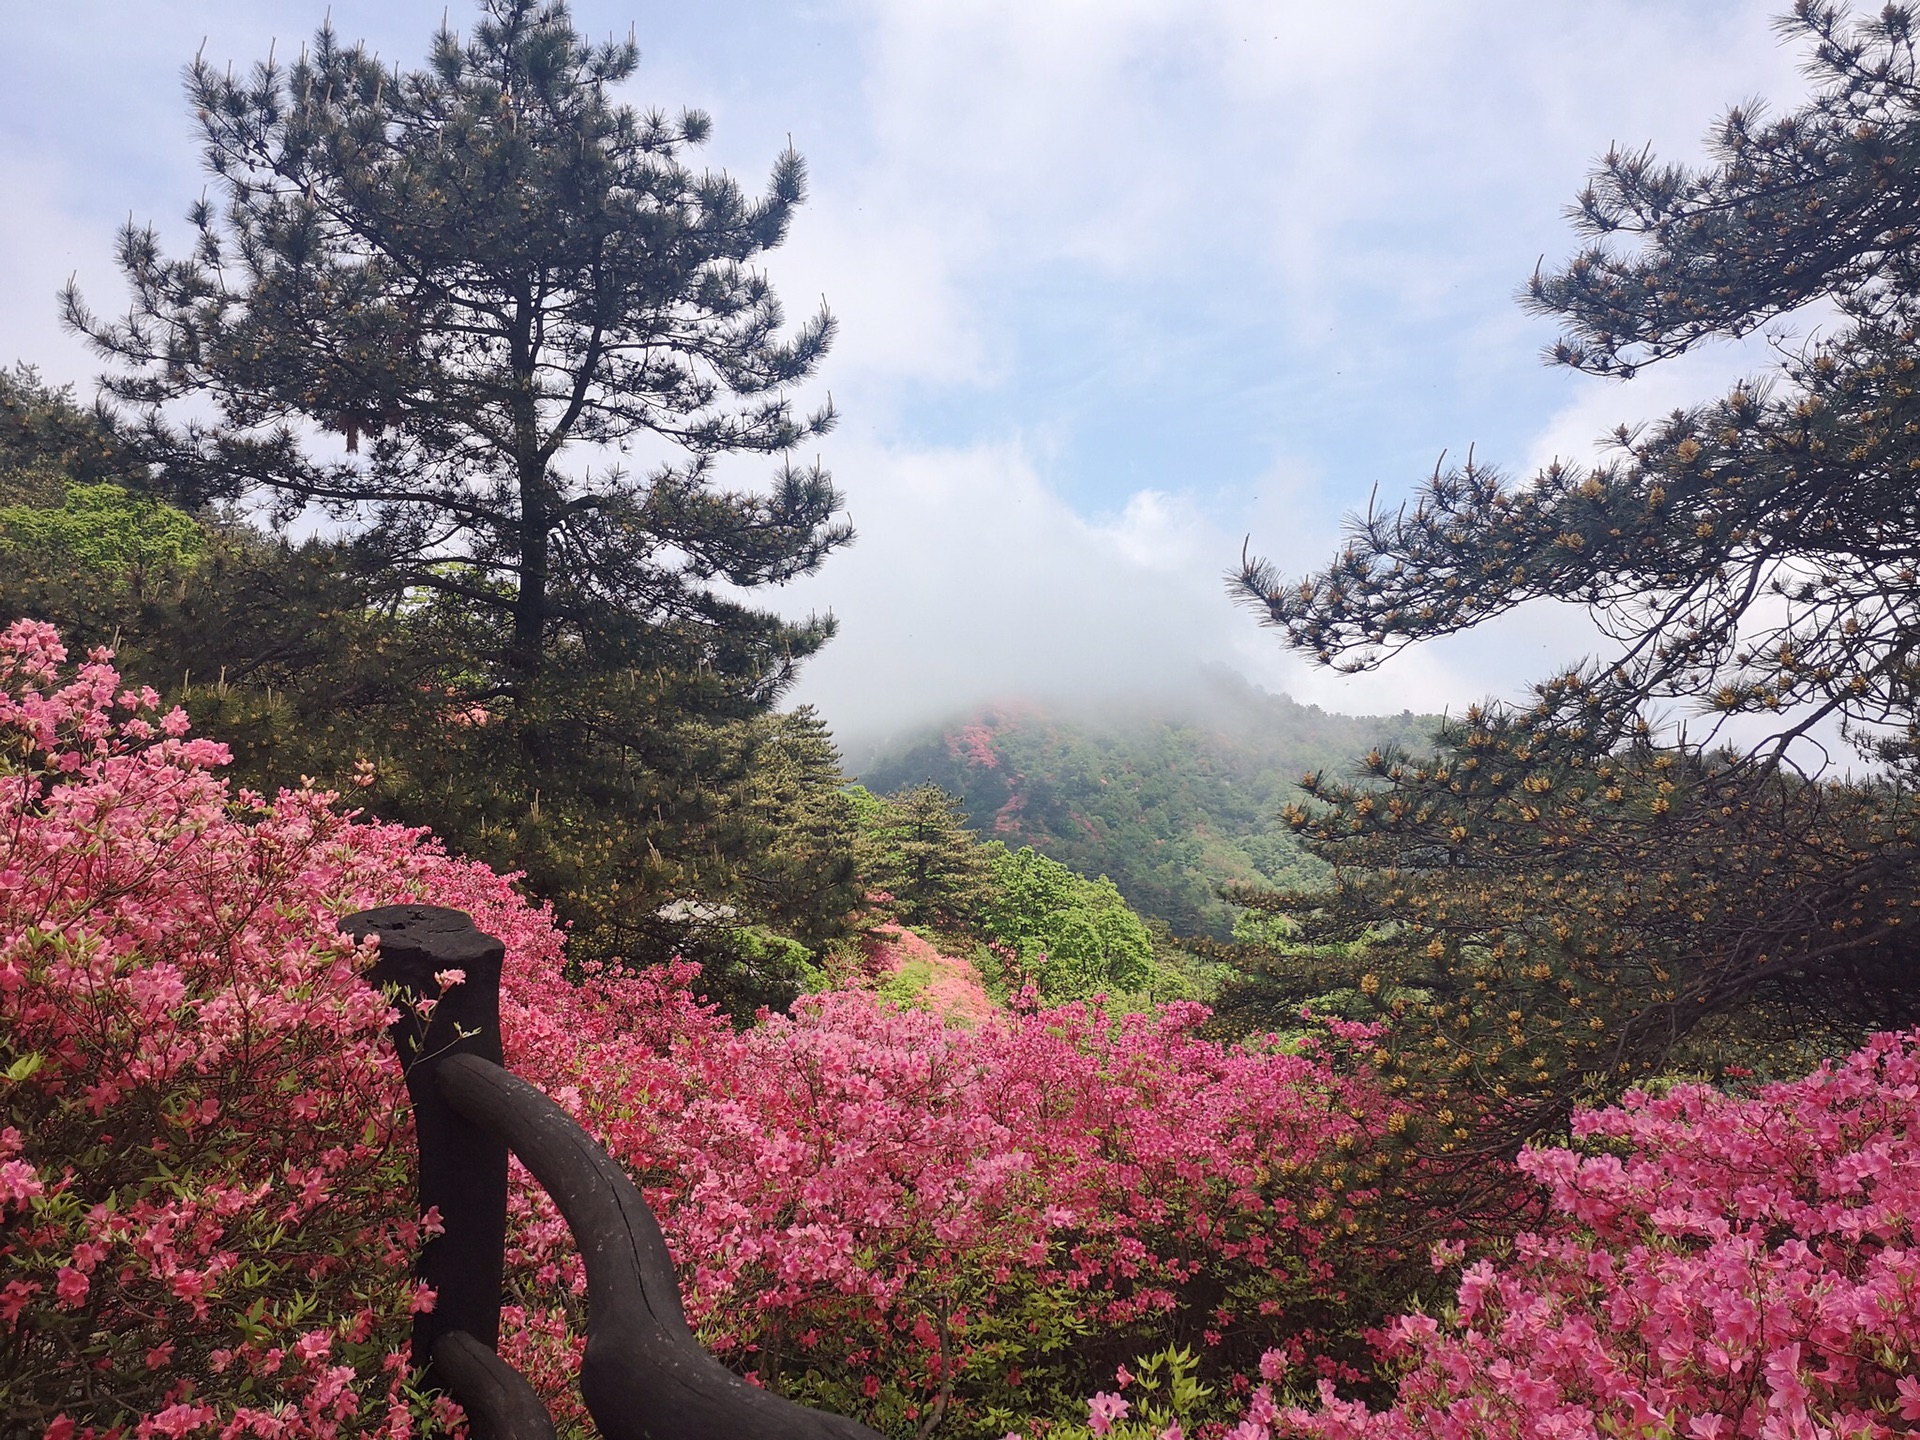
(1326, 149)
(1156, 532)
(1035, 217)
(973, 581)
(41, 243)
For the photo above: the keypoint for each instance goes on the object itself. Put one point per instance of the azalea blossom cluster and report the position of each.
(205, 1154)
(902, 1218)
(1724, 1267)
(206, 1225)
(205, 1192)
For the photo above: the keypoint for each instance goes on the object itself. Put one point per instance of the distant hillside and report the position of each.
(1169, 802)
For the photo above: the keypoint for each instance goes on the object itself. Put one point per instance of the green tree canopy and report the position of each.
(1074, 935)
(104, 526)
(914, 846)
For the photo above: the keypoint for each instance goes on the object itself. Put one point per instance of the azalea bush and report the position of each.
(1159, 1398)
(205, 1155)
(918, 1222)
(206, 1224)
(1725, 1266)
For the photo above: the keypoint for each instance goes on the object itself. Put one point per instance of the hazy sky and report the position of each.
(1120, 281)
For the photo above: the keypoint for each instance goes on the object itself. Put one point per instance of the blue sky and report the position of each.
(1120, 282)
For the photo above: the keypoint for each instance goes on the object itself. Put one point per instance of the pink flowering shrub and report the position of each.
(1726, 1267)
(914, 1221)
(206, 1225)
(205, 1170)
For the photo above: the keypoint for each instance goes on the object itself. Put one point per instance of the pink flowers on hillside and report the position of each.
(916, 1214)
(205, 1162)
(1725, 1267)
(206, 1225)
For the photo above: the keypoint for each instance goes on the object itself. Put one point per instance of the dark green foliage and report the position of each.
(276, 649)
(1272, 968)
(1585, 902)
(796, 868)
(48, 442)
(203, 606)
(915, 848)
(1171, 805)
(744, 968)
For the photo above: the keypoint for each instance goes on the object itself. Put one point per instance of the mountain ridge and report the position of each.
(1169, 799)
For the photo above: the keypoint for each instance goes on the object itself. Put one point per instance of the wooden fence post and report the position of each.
(463, 1167)
(644, 1375)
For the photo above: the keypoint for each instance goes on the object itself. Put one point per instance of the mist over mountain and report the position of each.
(1170, 798)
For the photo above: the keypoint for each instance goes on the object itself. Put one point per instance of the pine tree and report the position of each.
(489, 323)
(490, 280)
(1570, 891)
(915, 847)
(798, 824)
(1758, 554)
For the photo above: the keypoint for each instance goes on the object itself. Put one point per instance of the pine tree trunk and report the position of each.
(530, 606)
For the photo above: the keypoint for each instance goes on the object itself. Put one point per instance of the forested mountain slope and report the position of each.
(1170, 800)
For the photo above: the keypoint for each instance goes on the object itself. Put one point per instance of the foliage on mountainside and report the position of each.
(1025, 924)
(1169, 804)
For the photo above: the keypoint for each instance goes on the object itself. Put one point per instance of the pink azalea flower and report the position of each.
(71, 1287)
(1103, 1410)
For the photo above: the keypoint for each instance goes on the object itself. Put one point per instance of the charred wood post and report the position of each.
(463, 1167)
(644, 1375)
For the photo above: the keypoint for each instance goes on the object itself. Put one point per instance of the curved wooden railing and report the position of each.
(644, 1376)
